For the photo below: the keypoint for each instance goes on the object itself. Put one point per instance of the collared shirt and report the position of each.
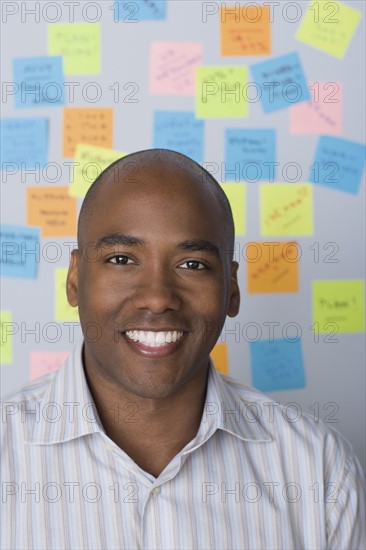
(255, 476)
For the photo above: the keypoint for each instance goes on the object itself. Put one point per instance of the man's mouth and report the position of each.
(154, 339)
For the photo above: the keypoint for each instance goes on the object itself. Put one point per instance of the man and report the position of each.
(137, 441)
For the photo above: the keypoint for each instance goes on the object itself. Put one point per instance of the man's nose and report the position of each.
(156, 291)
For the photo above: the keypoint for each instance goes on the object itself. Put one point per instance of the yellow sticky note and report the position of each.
(6, 338)
(338, 306)
(90, 161)
(219, 356)
(78, 43)
(53, 210)
(63, 310)
(286, 209)
(329, 26)
(221, 92)
(236, 194)
(88, 125)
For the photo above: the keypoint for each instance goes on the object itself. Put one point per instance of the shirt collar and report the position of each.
(67, 409)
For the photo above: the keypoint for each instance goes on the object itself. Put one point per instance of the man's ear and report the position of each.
(234, 302)
(73, 278)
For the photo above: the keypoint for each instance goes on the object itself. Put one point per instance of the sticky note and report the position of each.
(24, 143)
(173, 67)
(39, 81)
(78, 43)
(286, 208)
(86, 125)
(221, 92)
(6, 338)
(63, 310)
(43, 362)
(90, 161)
(133, 12)
(272, 266)
(236, 194)
(254, 150)
(245, 30)
(329, 27)
(52, 210)
(322, 114)
(338, 306)
(219, 356)
(20, 251)
(277, 364)
(280, 82)
(179, 131)
(338, 164)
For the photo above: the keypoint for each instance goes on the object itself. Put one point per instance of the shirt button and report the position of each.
(156, 491)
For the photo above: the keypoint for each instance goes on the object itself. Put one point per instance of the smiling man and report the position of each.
(137, 442)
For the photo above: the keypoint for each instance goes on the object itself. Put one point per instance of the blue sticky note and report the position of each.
(280, 82)
(39, 81)
(339, 164)
(179, 131)
(20, 251)
(251, 153)
(277, 364)
(132, 12)
(23, 143)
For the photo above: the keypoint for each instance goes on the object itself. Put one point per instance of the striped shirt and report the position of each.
(256, 476)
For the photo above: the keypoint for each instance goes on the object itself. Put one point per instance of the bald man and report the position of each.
(151, 447)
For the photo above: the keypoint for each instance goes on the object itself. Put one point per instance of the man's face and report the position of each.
(153, 282)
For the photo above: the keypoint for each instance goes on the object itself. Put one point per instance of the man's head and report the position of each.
(153, 276)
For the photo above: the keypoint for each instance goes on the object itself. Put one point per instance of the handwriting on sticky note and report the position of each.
(179, 131)
(322, 114)
(255, 151)
(272, 266)
(53, 210)
(236, 195)
(90, 161)
(286, 209)
(87, 125)
(24, 143)
(63, 310)
(245, 30)
(79, 45)
(6, 337)
(277, 364)
(39, 81)
(221, 92)
(20, 251)
(329, 26)
(172, 67)
(43, 362)
(338, 306)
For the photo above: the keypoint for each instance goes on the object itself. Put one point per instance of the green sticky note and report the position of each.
(329, 26)
(338, 306)
(90, 161)
(6, 338)
(78, 43)
(286, 208)
(236, 194)
(63, 310)
(221, 92)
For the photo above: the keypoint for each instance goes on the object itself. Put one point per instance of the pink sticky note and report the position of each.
(323, 114)
(173, 67)
(43, 362)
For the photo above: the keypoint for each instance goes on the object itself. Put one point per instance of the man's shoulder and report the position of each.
(29, 392)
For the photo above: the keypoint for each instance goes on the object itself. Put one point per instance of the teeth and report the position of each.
(154, 339)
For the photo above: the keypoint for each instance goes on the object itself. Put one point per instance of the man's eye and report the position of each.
(193, 264)
(120, 260)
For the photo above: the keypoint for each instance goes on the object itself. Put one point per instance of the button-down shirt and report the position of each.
(256, 476)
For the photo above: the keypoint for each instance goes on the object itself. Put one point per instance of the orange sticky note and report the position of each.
(272, 266)
(219, 356)
(52, 209)
(245, 30)
(88, 125)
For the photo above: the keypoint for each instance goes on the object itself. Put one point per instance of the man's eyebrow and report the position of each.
(118, 238)
(198, 245)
